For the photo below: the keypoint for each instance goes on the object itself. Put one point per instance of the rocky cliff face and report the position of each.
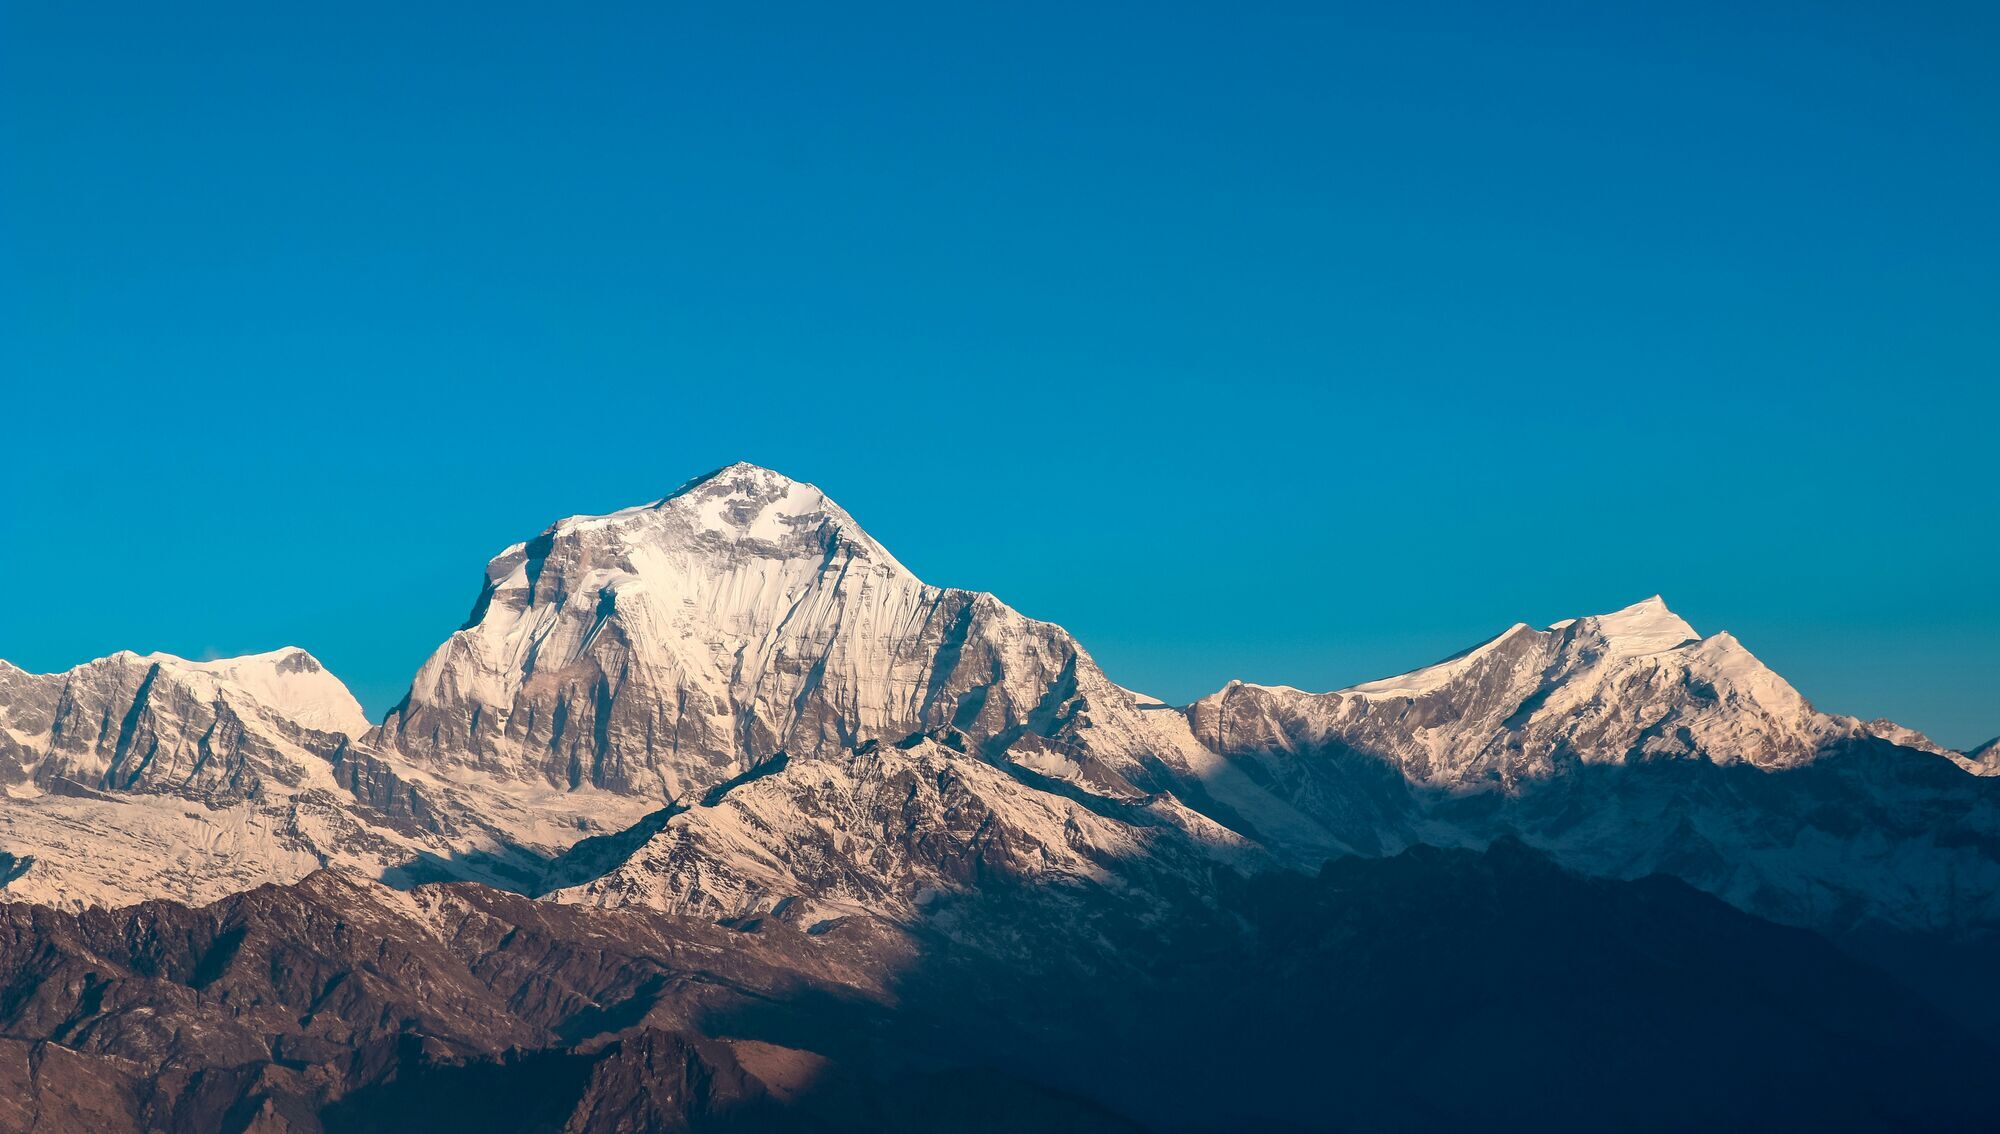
(661, 650)
(135, 777)
(218, 730)
(615, 666)
(132, 777)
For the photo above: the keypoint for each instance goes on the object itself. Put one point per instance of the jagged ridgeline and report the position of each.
(730, 723)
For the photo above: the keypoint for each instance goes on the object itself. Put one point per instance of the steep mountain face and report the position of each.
(132, 777)
(656, 652)
(615, 667)
(135, 777)
(218, 729)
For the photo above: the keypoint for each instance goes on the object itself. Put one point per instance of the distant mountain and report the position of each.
(728, 723)
(131, 777)
(129, 721)
(1633, 685)
(1983, 760)
(1626, 744)
(134, 777)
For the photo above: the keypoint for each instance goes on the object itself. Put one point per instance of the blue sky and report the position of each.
(1301, 344)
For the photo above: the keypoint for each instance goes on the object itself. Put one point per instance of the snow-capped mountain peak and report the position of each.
(181, 778)
(1631, 684)
(1645, 627)
(741, 503)
(288, 681)
(286, 688)
(753, 502)
(660, 650)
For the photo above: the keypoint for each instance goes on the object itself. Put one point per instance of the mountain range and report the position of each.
(712, 813)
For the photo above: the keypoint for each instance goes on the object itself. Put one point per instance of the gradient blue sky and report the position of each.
(1301, 344)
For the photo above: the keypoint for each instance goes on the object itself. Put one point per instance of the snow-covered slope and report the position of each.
(157, 721)
(660, 650)
(133, 777)
(1635, 684)
(1625, 744)
(893, 830)
(1983, 760)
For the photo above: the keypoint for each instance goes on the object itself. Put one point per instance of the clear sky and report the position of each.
(1298, 344)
